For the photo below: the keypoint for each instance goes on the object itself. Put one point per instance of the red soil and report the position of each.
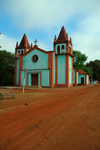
(51, 119)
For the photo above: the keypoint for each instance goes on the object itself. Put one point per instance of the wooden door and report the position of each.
(82, 80)
(34, 79)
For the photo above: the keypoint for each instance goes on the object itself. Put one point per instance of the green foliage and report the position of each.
(79, 59)
(79, 62)
(95, 65)
(63, 52)
(6, 68)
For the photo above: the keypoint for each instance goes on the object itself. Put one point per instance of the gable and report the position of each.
(42, 62)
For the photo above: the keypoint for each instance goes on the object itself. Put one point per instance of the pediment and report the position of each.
(35, 48)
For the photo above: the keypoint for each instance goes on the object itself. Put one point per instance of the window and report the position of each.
(35, 58)
(18, 53)
(21, 52)
(63, 48)
(58, 49)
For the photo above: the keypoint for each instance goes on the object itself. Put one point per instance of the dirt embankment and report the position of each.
(51, 119)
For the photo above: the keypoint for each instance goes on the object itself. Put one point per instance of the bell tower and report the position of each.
(22, 47)
(63, 50)
(63, 45)
(20, 50)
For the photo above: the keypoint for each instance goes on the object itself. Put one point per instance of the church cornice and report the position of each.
(36, 69)
(16, 57)
(65, 54)
(32, 49)
(60, 42)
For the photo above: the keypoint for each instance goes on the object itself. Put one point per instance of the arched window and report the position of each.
(18, 53)
(21, 52)
(62, 47)
(58, 49)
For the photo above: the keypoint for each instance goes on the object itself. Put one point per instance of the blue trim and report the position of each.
(70, 68)
(61, 69)
(87, 79)
(38, 79)
(29, 79)
(73, 76)
(17, 72)
(79, 78)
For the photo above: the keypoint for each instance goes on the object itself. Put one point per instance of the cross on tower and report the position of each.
(35, 41)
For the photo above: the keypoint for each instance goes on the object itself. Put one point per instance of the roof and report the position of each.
(36, 47)
(82, 72)
(75, 69)
(24, 42)
(63, 36)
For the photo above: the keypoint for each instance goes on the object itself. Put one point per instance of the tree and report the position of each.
(79, 62)
(95, 65)
(6, 68)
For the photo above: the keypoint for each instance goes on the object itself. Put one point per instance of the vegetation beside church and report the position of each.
(6, 68)
(95, 69)
(79, 61)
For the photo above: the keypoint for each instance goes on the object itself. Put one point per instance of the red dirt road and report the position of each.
(51, 119)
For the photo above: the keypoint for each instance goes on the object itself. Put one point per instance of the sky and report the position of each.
(43, 19)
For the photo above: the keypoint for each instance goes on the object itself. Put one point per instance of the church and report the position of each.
(37, 67)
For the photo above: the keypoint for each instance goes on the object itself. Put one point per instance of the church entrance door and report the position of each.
(82, 80)
(34, 79)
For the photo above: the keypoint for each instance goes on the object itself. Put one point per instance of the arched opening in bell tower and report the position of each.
(63, 48)
(58, 49)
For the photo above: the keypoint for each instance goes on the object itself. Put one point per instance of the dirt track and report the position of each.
(51, 119)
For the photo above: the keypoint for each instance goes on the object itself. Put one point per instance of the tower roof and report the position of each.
(63, 36)
(24, 42)
(55, 39)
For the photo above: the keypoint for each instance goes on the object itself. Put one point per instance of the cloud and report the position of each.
(40, 44)
(43, 46)
(46, 17)
(86, 37)
(87, 45)
(7, 43)
(28, 14)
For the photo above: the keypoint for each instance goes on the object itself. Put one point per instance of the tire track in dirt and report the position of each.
(52, 129)
(59, 104)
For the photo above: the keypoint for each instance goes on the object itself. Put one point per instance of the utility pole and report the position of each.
(25, 70)
(91, 72)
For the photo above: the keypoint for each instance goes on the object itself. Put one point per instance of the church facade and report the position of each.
(37, 67)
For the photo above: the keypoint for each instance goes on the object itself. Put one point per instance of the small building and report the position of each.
(83, 78)
(93, 81)
(75, 76)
